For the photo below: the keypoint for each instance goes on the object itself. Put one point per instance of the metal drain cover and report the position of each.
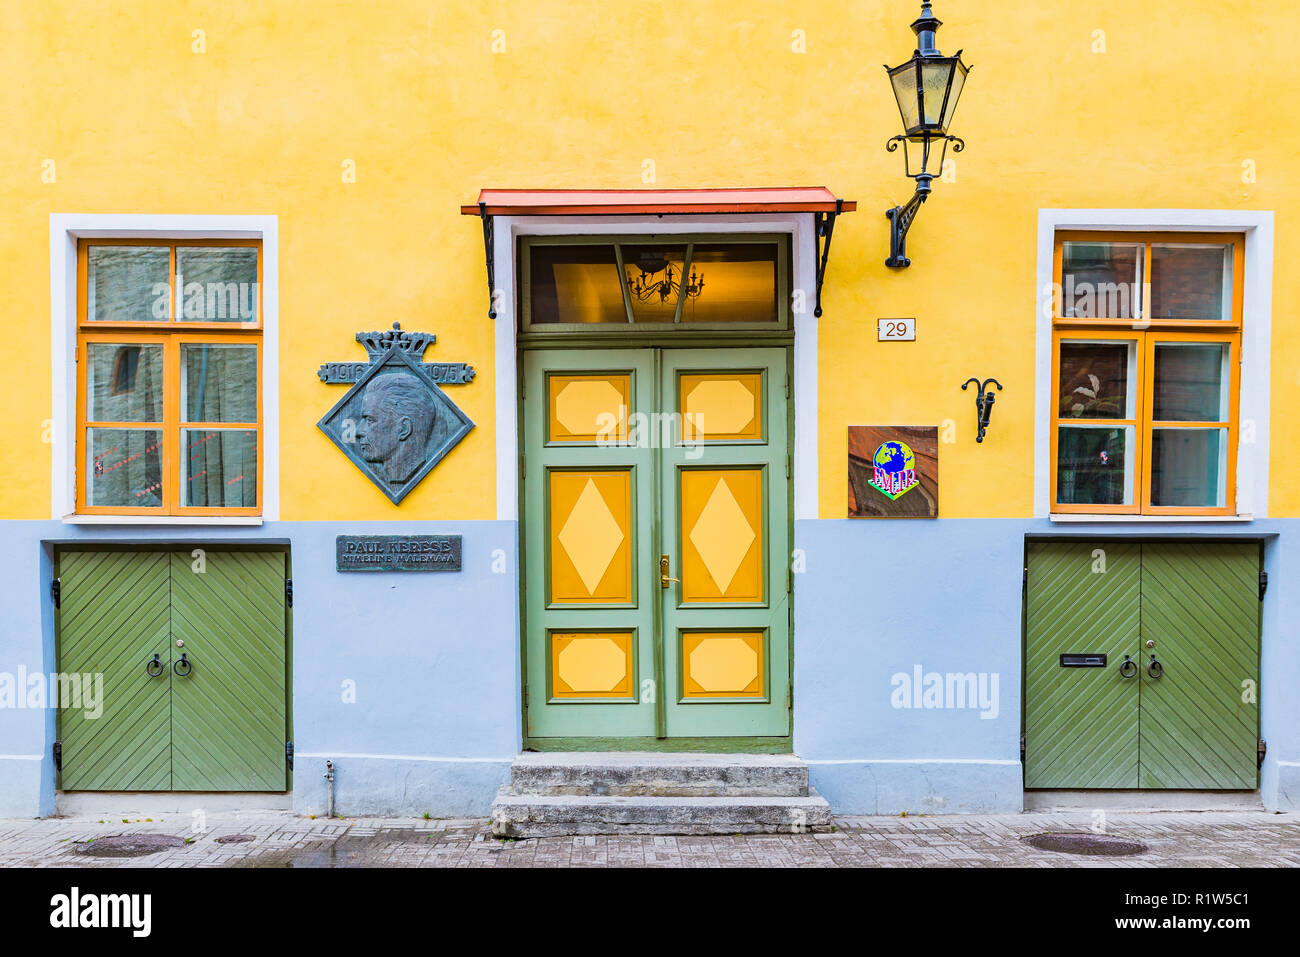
(235, 838)
(129, 845)
(1085, 842)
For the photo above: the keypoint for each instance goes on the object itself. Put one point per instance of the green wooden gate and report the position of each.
(193, 652)
(1175, 704)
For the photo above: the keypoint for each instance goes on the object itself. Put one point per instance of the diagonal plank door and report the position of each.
(114, 616)
(228, 713)
(1081, 724)
(1200, 718)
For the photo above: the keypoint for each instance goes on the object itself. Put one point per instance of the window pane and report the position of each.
(1190, 281)
(1189, 467)
(654, 279)
(217, 283)
(1101, 280)
(219, 468)
(575, 284)
(127, 283)
(1095, 380)
(124, 467)
(124, 382)
(733, 282)
(219, 383)
(1191, 382)
(1093, 466)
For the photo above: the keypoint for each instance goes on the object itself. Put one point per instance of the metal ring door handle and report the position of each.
(1125, 665)
(189, 666)
(149, 667)
(1155, 669)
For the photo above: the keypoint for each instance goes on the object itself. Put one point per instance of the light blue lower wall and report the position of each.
(433, 658)
(435, 662)
(882, 598)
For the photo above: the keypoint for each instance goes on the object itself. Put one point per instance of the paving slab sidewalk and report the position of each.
(1245, 838)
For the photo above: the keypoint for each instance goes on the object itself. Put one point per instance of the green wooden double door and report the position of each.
(656, 531)
(191, 648)
(1142, 665)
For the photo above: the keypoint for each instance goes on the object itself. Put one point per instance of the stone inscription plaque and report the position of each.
(397, 553)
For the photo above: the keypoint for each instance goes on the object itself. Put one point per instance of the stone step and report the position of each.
(645, 774)
(562, 815)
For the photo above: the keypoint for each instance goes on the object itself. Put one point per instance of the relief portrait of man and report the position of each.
(398, 417)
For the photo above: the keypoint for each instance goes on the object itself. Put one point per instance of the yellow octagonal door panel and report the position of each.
(722, 665)
(722, 532)
(723, 406)
(591, 665)
(591, 536)
(588, 408)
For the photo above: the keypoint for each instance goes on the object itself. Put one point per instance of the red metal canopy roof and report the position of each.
(606, 202)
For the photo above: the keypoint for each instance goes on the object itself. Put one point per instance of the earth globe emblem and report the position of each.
(895, 457)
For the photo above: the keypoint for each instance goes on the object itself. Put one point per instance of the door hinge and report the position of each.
(56, 593)
(288, 754)
(1261, 749)
(789, 698)
(787, 387)
(58, 755)
(1263, 583)
(288, 592)
(1022, 749)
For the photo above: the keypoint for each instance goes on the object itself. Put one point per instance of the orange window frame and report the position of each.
(171, 334)
(1146, 333)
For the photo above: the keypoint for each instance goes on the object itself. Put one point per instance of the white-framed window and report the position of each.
(1122, 443)
(118, 329)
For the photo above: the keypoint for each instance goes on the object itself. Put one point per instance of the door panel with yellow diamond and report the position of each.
(656, 518)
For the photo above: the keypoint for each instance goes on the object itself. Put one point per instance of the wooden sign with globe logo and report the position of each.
(894, 470)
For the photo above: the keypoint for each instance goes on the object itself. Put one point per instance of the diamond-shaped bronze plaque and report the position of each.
(395, 423)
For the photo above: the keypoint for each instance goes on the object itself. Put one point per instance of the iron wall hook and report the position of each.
(983, 402)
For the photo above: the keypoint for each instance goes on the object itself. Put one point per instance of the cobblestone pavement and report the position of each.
(282, 839)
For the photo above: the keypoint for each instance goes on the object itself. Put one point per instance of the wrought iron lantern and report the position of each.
(927, 88)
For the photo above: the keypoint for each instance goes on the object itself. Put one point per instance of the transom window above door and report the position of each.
(169, 339)
(598, 283)
(1146, 361)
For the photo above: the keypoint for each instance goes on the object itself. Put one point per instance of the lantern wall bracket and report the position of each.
(900, 217)
(983, 402)
(825, 223)
(488, 239)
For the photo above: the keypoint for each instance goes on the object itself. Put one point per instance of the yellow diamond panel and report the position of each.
(588, 408)
(592, 665)
(722, 535)
(722, 665)
(591, 536)
(721, 406)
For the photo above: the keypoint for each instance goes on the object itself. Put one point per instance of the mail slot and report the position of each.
(1083, 661)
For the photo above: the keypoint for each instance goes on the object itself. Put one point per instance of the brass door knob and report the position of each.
(1150, 643)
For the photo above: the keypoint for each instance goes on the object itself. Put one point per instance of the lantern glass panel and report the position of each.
(935, 76)
(958, 83)
(904, 80)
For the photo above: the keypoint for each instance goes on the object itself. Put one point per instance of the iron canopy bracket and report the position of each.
(489, 237)
(825, 228)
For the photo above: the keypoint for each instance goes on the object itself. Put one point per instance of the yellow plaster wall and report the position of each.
(583, 94)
